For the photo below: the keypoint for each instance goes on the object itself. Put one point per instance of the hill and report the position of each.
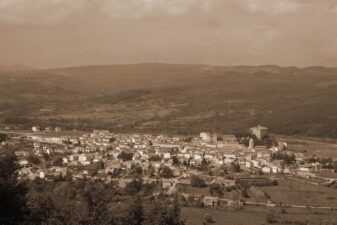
(174, 98)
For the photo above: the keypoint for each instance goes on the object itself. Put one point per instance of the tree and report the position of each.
(13, 206)
(33, 159)
(155, 158)
(188, 139)
(173, 214)
(3, 137)
(287, 158)
(154, 214)
(58, 162)
(125, 156)
(136, 215)
(244, 192)
(204, 165)
(43, 210)
(136, 170)
(175, 161)
(235, 167)
(197, 181)
(163, 212)
(134, 186)
(166, 172)
(271, 217)
(216, 188)
(208, 219)
(98, 212)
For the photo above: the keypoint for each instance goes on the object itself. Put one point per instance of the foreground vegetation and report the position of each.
(77, 202)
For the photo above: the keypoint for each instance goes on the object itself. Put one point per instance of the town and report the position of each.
(171, 163)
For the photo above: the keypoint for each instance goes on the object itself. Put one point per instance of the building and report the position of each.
(259, 131)
(36, 129)
(205, 136)
(210, 201)
(229, 139)
(48, 129)
(251, 143)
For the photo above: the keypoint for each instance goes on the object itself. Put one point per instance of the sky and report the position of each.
(63, 33)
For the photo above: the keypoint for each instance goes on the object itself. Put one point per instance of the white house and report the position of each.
(266, 169)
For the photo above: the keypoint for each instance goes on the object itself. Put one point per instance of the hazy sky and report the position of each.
(59, 33)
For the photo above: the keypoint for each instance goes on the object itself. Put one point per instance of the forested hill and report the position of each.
(174, 98)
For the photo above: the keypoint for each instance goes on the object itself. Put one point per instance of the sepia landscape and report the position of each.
(155, 112)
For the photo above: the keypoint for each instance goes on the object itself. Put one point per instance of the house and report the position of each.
(48, 129)
(184, 181)
(235, 203)
(58, 129)
(286, 170)
(249, 164)
(256, 163)
(276, 169)
(167, 183)
(305, 168)
(229, 139)
(197, 157)
(23, 162)
(205, 136)
(310, 167)
(266, 169)
(210, 201)
(42, 175)
(167, 155)
(228, 160)
(36, 128)
(123, 182)
(260, 132)
(148, 180)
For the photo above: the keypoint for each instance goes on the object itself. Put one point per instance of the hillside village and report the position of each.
(169, 163)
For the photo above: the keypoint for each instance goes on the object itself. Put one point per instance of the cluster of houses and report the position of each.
(112, 157)
(160, 150)
(116, 158)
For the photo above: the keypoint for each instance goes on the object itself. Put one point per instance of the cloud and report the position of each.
(73, 32)
(55, 11)
(39, 12)
(273, 6)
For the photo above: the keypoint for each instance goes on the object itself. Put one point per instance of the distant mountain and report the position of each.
(174, 98)
(15, 67)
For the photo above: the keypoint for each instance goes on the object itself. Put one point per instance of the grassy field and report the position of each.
(298, 193)
(321, 148)
(195, 216)
(256, 216)
(193, 190)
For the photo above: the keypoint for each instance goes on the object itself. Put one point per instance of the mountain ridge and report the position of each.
(183, 98)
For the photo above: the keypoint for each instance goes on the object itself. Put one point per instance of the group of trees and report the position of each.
(13, 205)
(197, 181)
(166, 172)
(33, 159)
(244, 138)
(126, 156)
(216, 189)
(3, 137)
(287, 158)
(328, 163)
